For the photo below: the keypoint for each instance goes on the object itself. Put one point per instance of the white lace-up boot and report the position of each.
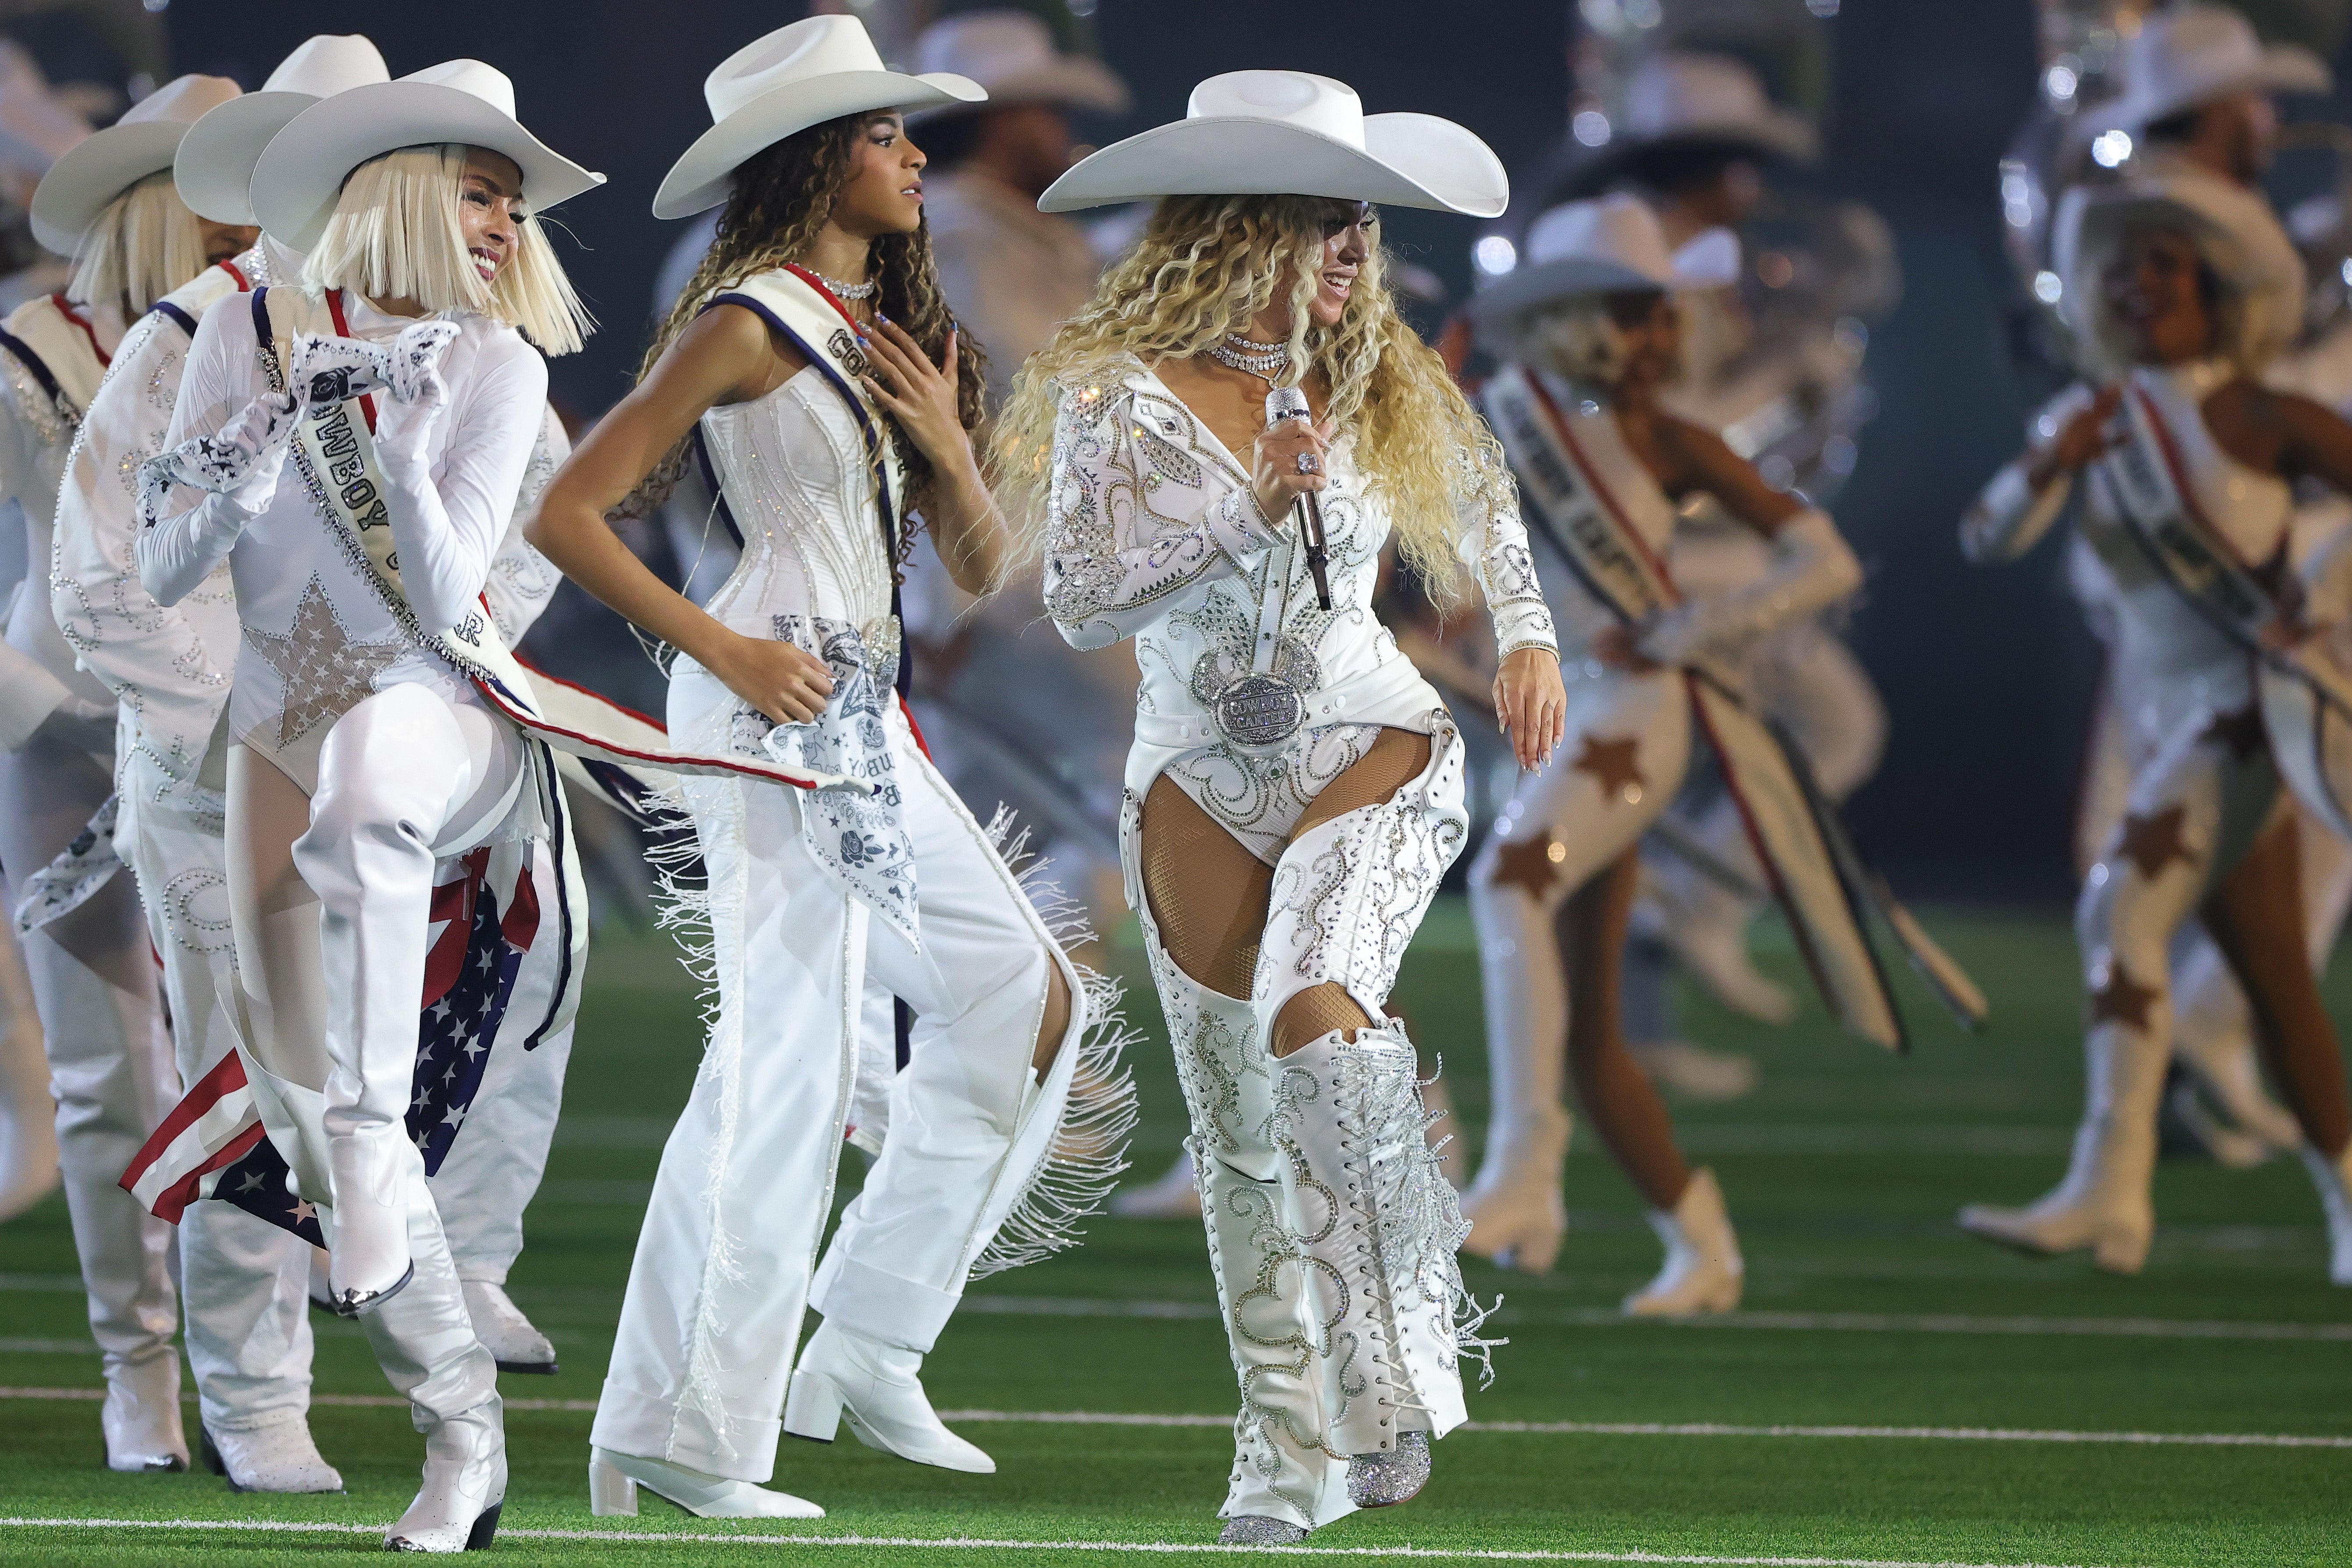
(845, 1375)
(1703, 1269)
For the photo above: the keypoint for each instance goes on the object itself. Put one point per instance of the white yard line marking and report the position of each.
(978, 1544)
(1853, 1323)
(1519, 1428)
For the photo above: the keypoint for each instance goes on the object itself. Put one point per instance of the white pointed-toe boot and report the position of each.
(368, 1257)
(465, 1485)
(1175, 1195)
(141, 1418)
(2334, 1180)
(875, 1387)
(513, 1340)
(1515, 1212)
(1703, 1271)
(277, 1455)
(614, 1480)
(2103, 1205)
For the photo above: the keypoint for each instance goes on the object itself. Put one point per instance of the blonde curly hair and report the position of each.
(1207, 266)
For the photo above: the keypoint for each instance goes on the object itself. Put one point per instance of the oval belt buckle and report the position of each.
(1260, 710)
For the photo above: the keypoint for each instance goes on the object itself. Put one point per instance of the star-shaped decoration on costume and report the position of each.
(441, 1009)
(1613, 766)
(2122, 1000)
(303, 1210)
(2241, 731)
(252, 1183)
(1532, 864)
(2151, 843)
(322, 672)
(474, 1047)
(488, 960)
(456, 1117)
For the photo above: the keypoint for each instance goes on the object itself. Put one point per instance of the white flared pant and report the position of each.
(726, 1262)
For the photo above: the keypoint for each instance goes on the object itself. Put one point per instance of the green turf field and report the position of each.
(1978, 1403)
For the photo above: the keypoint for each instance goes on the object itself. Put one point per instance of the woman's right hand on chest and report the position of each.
(788, 684)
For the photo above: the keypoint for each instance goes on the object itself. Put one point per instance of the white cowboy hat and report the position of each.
(301, 172)
(1271, 133)
(2191, 55)
(2235, 231)
(811, 71)
(1011, 55)
(1695, 98)
(1607, 246)
(105, 163)
(214, 169)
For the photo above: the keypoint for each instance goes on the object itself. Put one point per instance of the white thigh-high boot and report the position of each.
(1346, 897)
(242, 1279)
(2194, 812)
(1627, 749)
(404, 778)
(110, 1067)
(28, 1117)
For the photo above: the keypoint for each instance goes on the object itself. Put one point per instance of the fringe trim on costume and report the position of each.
(1416, 1215)
(1088, 1153)
(692, 907)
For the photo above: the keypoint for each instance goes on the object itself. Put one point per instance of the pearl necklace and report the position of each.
(846, 290)
(1264, 361)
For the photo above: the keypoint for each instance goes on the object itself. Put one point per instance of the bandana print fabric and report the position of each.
(862, 839)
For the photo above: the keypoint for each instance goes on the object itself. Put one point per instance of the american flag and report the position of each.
(212, 1145)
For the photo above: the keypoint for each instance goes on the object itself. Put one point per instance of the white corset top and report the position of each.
(794, 469)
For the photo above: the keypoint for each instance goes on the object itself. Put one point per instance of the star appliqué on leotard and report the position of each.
(322, 673)
(1533, 864)
(2151, 843)
(1613, 765)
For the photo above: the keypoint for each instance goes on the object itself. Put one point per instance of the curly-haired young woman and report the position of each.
(812, 363)
(1295, 791)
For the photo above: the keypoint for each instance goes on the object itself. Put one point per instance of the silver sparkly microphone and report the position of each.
(1289, 403)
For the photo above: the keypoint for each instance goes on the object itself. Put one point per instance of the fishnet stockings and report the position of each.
(1208, 894)
(2255, 917)
(1617, 1096)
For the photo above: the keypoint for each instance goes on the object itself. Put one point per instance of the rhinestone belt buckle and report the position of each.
(1260, 710)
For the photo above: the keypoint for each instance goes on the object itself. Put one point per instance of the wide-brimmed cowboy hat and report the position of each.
(1277, 132)
(1604, 247)
(2234, 230)
(105, 163)
(1011, 55)
(301, 173)
(1689, 98)
(811, 71)
(2191, 55)
(214, 168)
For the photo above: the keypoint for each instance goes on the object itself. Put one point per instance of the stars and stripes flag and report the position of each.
(485, 918)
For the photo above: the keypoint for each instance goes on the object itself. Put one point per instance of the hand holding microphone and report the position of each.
(1290, 470)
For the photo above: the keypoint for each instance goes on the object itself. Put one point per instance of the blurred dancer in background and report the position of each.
(1590, 322)
(2181, 288)
(110, 203)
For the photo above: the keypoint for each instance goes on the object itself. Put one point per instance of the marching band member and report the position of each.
(1591, 321)
(813, 364)
(109, 203)
(354, 445)
(2182, 288)
(1295, 791)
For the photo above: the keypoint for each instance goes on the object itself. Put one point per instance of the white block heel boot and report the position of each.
(1703, 1271)
(465, 1485)
(843, 1373)
(614, 1480)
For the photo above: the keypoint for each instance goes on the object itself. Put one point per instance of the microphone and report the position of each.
(1289, 403)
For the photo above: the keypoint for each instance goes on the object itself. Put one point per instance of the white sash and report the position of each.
(1815, 876)
(2305, 695)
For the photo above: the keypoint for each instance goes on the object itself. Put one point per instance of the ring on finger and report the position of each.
(1308, 463)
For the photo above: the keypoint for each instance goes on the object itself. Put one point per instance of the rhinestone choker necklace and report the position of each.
(1264, 361)
(846, 290)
